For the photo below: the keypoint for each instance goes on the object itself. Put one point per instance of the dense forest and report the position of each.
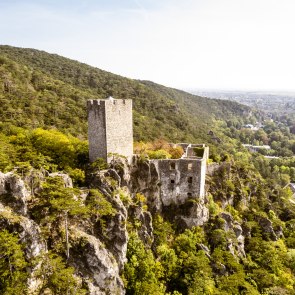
(247, 246)
(50, 91)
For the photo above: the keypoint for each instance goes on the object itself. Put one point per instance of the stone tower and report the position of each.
(110, 128)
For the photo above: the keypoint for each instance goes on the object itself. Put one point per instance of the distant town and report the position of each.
(270, 102)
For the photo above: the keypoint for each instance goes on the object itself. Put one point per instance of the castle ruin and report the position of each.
(110, 131)
(183, 178)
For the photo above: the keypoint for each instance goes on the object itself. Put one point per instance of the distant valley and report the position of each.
(274, 103)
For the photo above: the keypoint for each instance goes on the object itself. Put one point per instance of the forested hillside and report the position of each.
(71, 227)
(47, 90)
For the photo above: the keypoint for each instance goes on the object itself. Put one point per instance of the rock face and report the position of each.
(14, 197)
(30, 235)
(230, 224)
(29, 231)
(114, 234)
(13, 192)
(268, 229)
(97, 265)
(198, 214)
(66, 178)
(144, 178)
(145, 230)
(98, 259)
(98, 248)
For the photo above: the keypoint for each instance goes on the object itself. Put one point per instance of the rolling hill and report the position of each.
(49, 91)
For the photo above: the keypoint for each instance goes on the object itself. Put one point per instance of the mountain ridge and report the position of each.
(159, 111)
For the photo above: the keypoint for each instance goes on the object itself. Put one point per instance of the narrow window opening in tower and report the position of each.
(172, 166)
(190, 180)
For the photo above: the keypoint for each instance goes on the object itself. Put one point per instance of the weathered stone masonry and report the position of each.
(110, 131)
(184, 178)
(110, 128)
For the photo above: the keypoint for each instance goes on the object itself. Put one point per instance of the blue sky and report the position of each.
(213, 44)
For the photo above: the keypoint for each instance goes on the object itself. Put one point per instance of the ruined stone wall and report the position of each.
(181, 179)
(202, 178)
(153, 180)
(110, 128)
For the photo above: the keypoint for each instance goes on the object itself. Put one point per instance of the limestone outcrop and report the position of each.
(235, 247)
(98, 248)
(98, 259)
(268, 228)
(96, 264)
(13, 192)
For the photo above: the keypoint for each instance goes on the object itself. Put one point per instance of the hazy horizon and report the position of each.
(231, 45)
(267, 91)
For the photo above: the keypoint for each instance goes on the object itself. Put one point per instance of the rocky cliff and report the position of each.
(119, 198)
(97, 246)
(98, 259)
